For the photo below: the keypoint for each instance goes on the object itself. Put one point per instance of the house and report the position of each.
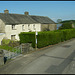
(13, 24)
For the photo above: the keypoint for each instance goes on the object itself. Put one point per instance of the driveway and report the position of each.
(56, 59)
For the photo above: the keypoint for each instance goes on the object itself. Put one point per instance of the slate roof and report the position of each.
(24, 19)
(43, 19)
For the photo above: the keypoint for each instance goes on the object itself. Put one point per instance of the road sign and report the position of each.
(36, 33)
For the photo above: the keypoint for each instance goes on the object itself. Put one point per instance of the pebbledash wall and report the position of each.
(20, 28)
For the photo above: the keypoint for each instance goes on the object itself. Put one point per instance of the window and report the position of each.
(22, 27)
(34, 27)
(12, 37)
(13, 27)
(28, 27)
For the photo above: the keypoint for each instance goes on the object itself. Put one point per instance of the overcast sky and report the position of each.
(64, 10)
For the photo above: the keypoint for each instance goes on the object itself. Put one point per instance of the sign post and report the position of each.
(36, 40)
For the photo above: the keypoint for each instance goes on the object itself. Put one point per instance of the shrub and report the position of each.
(47, 37)
(5, 41)
(9, 48)
(44, 38)
(27, 37)
(66, 25)
(68, 33)
(14, 43)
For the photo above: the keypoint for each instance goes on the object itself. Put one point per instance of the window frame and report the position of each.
(23, 27)
(34, 27)
(28, 26)
(13, 27)
(13, 37)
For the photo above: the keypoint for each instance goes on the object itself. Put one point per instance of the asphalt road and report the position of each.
(57, 59)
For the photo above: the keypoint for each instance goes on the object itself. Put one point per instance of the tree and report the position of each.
(59, 20)
(66, 25)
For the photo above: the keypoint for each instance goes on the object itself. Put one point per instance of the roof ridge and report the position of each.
(38, 15)
(12, 13)
(24, 14)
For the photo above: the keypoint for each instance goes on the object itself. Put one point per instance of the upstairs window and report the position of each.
(22, 27)
(28, 27)
(13, 27)
(34, 27)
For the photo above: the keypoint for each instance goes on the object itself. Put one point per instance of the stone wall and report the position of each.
(26, 47)
(2, 26)
(44, 26)
(48, 26)
(52, 27)
(1, 57)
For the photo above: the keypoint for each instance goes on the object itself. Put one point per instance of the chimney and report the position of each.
(26, 13)
(6, 11)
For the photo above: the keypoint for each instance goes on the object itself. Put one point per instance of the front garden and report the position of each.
(10, 45)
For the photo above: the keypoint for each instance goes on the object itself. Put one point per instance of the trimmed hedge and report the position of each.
(47, 37)
(27, 37)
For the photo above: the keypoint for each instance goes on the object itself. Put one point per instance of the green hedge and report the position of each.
(47, 38)
(27, 37)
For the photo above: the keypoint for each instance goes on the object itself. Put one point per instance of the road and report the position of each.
(56, 59)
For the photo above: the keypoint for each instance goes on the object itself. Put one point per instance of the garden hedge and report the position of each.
(47, 37)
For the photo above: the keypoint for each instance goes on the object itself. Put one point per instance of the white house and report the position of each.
(12, 24)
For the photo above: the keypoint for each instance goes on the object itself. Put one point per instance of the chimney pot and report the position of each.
(26, 13)
(6, 11)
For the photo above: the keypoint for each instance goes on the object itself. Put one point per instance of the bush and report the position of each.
(9, 48)
(47, 38)
(66, 25)
(27, 37)
(14, 43)
(5, 41)
(44, 38)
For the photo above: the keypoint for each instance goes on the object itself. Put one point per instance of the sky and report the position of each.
(64, 10)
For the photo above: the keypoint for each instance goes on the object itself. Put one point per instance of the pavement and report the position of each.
(53, 59)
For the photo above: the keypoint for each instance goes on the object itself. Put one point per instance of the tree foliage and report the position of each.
(66, 25)
(59, 20)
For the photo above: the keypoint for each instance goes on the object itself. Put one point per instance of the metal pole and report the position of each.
(35, 41)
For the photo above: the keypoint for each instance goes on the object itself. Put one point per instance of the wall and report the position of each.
(1, 57)
(49, 26)
(2, 26)
(52, 27)
(43, 26)
(18, 29)
(2, 35)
